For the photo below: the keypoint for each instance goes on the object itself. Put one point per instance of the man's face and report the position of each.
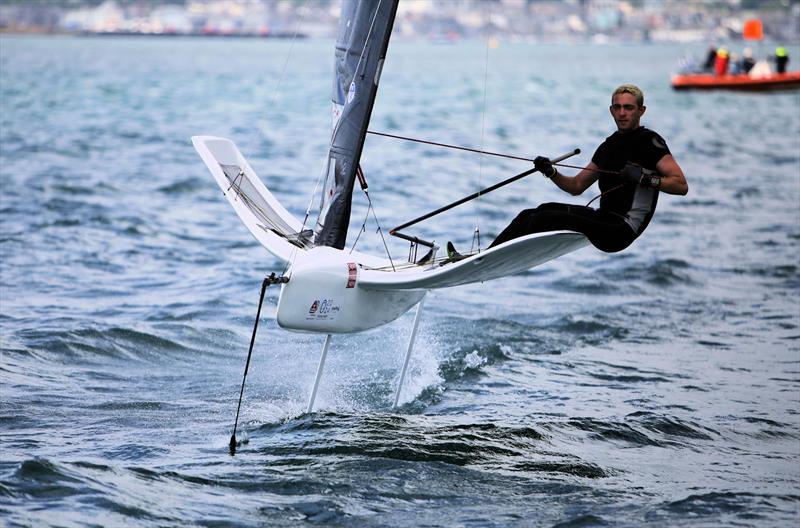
(626, 112)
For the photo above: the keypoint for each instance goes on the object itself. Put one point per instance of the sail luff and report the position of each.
(364, 31)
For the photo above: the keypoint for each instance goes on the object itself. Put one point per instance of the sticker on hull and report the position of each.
(323, 310)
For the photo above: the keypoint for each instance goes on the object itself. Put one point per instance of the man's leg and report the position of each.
(606, 231)
(537, 220)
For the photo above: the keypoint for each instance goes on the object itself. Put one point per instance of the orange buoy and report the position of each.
(753, 30)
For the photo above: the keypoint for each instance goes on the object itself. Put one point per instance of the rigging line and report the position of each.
(362, 180)
(274, 95)
(238, 177)
(326, 167)
(290, 261)
(360, 232)
(396, 231)
(478, 151)
(380, 231)
(256, 209)
(483, 129)
(261, 215)
(446, 145)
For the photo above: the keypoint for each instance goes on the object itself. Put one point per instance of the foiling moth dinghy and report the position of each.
(333, 291)
(326, 289)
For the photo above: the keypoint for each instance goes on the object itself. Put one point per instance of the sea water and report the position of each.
(658, 386)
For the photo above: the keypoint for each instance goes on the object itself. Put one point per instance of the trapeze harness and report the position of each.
(625, 208)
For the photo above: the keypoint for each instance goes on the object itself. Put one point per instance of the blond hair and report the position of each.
(631, 89)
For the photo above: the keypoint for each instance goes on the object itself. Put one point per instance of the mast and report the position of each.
(364, 30)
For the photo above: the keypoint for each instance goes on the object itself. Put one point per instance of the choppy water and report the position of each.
(657, 386)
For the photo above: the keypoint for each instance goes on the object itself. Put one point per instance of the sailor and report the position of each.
(721, 64)
(633, 166)
(747, 61)
(734, 66)
(781, 58)
(711, 58)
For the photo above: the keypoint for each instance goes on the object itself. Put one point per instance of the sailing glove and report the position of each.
(637, 175)
(545, 166)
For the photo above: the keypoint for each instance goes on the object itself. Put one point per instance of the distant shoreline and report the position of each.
(38, 31)
(593, 40)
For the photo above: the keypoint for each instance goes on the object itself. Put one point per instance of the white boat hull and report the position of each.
(323, 296)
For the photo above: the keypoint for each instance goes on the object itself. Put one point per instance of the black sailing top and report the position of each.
(635, 203)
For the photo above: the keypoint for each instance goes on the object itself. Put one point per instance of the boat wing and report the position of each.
(514, 256)
(270, 223)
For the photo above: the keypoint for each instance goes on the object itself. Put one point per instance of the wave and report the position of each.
(485, 446)
(94, 344)
(583, 521)
(777, 271)
(40, 477)
(593, 330)
(186, 186)
(72, 488)
(767, 429)
(639, 429)
(661, 273)
(630, 275)
(672, 426)
(745, 505)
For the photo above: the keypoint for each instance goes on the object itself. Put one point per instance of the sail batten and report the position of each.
(364, 31)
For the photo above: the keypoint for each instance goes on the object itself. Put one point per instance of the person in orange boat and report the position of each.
(711, 57)
(734, 66)
(748, 61)
(721, 64)
(781, 59)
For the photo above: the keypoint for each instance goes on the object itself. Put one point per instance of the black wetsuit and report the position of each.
(625, 208)
(780, 63)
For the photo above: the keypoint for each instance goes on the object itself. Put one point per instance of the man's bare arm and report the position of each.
(672, 179)
(575, 185)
